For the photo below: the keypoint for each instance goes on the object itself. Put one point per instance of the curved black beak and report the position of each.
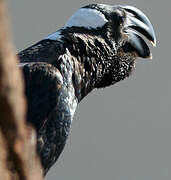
(138, 23)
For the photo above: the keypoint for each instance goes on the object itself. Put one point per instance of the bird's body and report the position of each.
(96, 48)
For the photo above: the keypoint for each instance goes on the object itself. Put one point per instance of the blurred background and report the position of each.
(122, 132)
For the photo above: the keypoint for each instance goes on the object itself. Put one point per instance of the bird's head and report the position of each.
(121, 24)
(123, 28)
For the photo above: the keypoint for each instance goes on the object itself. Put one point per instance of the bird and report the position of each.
(97, 47)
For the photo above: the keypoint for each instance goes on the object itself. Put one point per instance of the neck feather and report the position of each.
(95, 63)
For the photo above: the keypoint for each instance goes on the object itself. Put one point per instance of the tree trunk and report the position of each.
(18, 157)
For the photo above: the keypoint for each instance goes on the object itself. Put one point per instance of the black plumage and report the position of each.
(61, 71)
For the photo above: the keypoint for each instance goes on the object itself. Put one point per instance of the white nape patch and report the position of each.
(22, 64)
(88, 18)
(54, 36)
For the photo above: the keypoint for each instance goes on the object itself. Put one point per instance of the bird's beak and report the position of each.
(137, 23)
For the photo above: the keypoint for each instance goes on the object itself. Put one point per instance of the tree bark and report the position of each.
(18, 157)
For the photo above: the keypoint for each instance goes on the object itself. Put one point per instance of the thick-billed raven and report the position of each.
(96, 48)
